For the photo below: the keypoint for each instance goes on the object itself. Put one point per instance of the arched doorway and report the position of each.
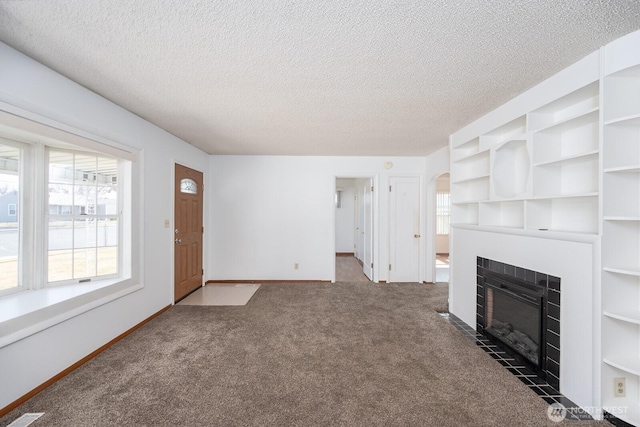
(442, 216)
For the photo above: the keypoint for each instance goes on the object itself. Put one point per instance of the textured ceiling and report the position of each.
(312, 77)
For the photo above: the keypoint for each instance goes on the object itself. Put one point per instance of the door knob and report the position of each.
(178, 240)
(416, 236)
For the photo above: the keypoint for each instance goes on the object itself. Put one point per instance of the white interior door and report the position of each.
(404, 229)
(367, 228)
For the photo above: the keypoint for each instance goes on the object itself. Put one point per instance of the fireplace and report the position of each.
(519, 310)
(514, 316)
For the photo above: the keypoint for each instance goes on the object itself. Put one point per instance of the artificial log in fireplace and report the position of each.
(519, 310)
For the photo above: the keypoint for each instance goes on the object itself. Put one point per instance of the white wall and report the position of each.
(345, 216)
(258, 231)
(31, 86)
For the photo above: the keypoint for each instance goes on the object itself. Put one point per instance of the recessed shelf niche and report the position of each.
(502, 214)
(566, 108)
(622, 94)
(565, 214)
(510, 170)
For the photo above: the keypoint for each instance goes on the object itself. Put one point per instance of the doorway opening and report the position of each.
(353, 202)
(443, 215)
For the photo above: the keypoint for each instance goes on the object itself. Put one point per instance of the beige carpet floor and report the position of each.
(344, 354)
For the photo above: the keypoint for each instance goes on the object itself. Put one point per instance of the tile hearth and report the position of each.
(539, 386)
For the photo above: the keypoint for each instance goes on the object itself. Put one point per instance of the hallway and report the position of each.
(349, 269)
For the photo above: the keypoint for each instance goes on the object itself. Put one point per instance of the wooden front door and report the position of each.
(188, 231)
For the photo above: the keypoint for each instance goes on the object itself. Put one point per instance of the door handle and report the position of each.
(416, 236)
(178, 240)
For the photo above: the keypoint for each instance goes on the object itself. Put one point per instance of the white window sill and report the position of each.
(29, 312)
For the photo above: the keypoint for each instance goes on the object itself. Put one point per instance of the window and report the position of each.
(83, 216)
(66, 209)
(9, 223)
(74, 242)
(188, 186)
(443, 212)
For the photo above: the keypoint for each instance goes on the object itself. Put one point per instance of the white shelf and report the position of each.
(567, 176)
(469, 202)
(513, 130)
(471, 156)
(567, 196)
(509, 214)
(624, 169)
(567, 159)
(621, 147)
(621, 191)
(466, 213)
(471, 167)
(571, 122)
(624, 363)
(564, 213)
(621, 245)
(622, 218)
(512, 138)
(474, 178)
(567, 236)
(630, 120)
(622, 94)
(622, 270)
(471, 145)
(625, 316)
(575, 104)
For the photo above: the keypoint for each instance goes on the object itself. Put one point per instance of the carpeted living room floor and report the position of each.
(349, 354)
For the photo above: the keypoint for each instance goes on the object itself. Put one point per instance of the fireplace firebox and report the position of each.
(514, 316)
(519, 310)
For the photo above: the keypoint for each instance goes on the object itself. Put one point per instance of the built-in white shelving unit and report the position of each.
(538, 172)
(562, 161)
(621, 226)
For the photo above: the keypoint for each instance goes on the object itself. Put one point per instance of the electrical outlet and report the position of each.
(296, 266)
(620, 387)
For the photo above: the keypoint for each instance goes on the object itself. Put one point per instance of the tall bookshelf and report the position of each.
(621, 228)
